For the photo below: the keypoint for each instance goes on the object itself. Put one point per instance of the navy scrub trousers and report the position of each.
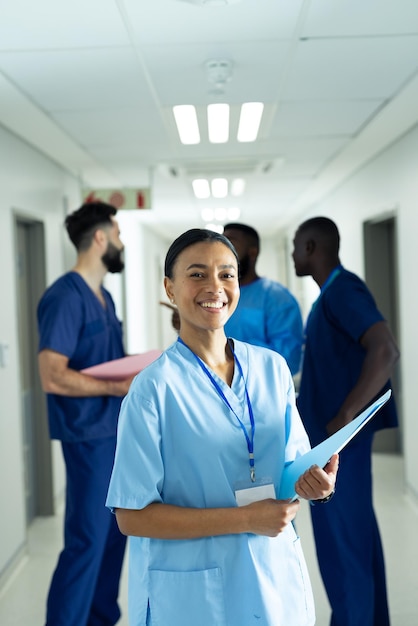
(85, 584)
(352, 563)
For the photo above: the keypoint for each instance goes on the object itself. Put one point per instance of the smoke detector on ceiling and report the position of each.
(219, 72)
(213, 3)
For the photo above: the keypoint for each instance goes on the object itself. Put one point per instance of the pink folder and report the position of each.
(120, 369)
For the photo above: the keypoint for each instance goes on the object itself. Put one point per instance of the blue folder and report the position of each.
(321, 454)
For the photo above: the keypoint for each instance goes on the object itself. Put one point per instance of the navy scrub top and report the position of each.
(333, 355)
(73, 322)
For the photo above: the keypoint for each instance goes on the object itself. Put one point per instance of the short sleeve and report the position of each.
(350, 307)
(60, 319)
(138, 472)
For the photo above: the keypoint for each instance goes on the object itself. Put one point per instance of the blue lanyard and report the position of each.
(249, 438)
(331, 278)
(335, 272)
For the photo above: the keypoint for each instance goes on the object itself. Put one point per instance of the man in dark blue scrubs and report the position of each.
(348, 360)
(78, 328)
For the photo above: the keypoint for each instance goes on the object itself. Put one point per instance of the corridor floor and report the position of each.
(22, 600)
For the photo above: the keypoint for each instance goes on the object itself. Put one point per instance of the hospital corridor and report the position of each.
(203, 114)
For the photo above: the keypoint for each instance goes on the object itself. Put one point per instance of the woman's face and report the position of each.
(204, 285)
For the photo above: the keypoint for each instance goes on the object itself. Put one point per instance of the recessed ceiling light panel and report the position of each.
(249, 121)
(186, 121)
(218, 123)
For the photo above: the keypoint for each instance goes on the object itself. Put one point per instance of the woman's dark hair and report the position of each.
(83, 223)
(190, 237)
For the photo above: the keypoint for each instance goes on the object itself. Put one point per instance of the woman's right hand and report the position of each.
(270, 517)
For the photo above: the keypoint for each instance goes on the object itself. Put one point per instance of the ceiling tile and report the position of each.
(332, 117)
(79, 79)
(179, 74)
(179, 22)
(125, 126)
(347, 18)
(47, 24)
(352, 68)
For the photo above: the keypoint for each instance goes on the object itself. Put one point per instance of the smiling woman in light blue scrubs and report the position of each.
(204, 434)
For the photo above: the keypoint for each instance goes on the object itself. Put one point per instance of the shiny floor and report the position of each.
(22, 600)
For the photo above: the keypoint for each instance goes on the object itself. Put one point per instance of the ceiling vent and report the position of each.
(229, 167)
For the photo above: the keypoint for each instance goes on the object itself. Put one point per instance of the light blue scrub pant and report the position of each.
(348, 544)
(85, 584)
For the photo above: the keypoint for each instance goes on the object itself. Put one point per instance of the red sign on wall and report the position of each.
(129, 199)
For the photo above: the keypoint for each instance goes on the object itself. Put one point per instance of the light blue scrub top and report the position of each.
(269, 315)
(178, 443)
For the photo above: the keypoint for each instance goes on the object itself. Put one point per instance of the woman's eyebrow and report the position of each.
(199, 265)
(203, 266)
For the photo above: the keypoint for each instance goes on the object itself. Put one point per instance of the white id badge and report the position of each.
(247, 492)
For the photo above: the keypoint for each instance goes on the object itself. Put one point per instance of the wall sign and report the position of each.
(130, 199)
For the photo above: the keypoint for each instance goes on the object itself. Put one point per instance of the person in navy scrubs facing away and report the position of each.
(204, 434)
(267, 313)
(349, 356)
(78, 328)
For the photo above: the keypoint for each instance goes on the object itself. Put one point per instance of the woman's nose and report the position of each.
(215, 284)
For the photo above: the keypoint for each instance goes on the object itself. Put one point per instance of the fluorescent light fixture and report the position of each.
(233, 213)
(218, 228)
(201, 188)
(187, 126)
(208, 215)
(237, 187)
(218, 123)
(219, 187)
(249, 122)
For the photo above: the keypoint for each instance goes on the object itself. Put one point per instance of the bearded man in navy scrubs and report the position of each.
(78, 328)
(349, 357)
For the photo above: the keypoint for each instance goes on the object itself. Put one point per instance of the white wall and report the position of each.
(34, 187)
(386, 186)
(147, 324)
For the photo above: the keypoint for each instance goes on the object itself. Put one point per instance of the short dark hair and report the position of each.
(326, 229)
(190, 237)
(251, 232)
(83, 223)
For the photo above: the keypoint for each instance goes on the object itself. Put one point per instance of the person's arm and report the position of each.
(165, 521)
(57, 378)
(266, 517)
(382, 353)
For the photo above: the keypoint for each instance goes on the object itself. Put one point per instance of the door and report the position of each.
(381, 275)
(30, 281)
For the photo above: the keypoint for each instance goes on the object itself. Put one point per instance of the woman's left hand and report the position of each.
(317, 483)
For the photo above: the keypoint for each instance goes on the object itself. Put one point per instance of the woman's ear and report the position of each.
(168, 289)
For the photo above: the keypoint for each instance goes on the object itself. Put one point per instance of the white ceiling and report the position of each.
(91, 83)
